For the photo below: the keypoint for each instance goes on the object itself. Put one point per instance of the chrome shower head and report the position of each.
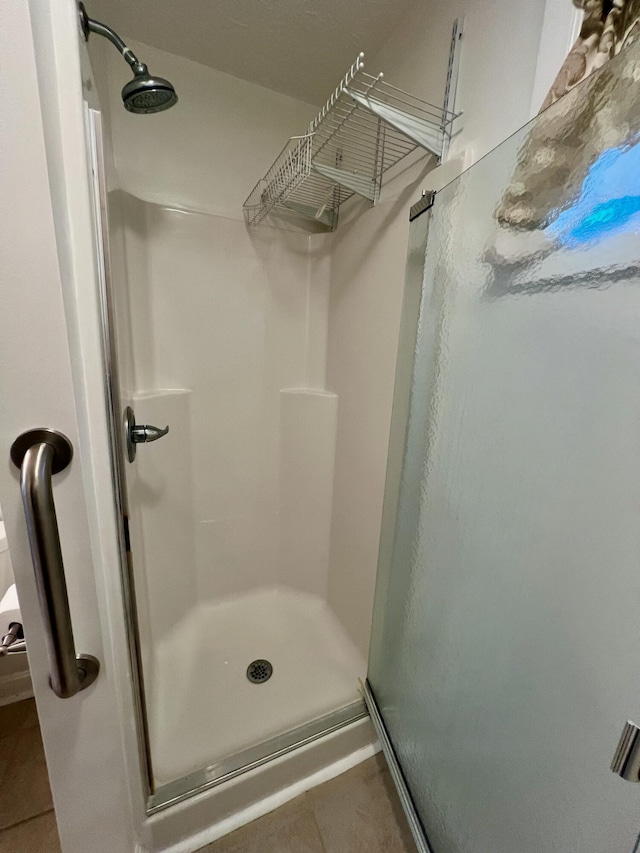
(143, 94)
(147, 94)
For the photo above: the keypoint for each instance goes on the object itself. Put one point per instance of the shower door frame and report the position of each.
(96, 157)
(422, 209)
(251, 759)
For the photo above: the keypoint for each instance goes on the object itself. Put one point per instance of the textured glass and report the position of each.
(506, 644)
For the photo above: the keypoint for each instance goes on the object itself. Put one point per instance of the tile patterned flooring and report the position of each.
(358, 812)
(27, 822)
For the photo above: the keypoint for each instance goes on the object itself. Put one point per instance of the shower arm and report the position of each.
(90, 25)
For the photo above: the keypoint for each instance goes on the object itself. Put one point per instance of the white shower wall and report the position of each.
(226, 338)
(231, 321)
(230, 511)
(222, 334)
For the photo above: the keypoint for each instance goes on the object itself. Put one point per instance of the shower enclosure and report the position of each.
(503, 659)
(220, 336)
(505, 656)
(245, 643)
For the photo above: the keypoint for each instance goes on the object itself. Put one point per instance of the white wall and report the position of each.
(207, 151)
(498, 70)
(223, 315)
(223, 335)
(560, 29)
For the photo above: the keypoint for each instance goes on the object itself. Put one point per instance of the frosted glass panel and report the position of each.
(506, 645)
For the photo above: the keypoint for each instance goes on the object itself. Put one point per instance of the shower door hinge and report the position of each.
(428, 197)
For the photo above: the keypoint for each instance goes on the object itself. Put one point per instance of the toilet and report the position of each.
(6, 572)
(15, 679)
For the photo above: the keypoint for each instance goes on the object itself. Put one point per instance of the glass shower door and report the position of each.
(505, 653)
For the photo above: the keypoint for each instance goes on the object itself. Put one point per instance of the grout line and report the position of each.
(26, 820)
(312, 806)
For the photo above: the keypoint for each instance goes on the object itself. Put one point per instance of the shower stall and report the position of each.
(229, 512)
(248, 640)
(235, 628)
(217, 336)
(224, 436)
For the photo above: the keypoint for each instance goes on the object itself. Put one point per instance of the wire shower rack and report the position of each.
(365, 128)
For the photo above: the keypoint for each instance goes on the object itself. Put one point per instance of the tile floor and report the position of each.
(27, 822)
(358, 812)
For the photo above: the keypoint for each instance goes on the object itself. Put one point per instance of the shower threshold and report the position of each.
(254, 757)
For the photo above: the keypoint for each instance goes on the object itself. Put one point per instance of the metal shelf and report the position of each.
(365, 128)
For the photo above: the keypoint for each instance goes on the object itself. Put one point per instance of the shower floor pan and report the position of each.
(203, 710)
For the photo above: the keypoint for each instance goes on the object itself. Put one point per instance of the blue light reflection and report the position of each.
(609, 201)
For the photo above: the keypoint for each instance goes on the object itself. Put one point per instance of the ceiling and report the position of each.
(298, 47)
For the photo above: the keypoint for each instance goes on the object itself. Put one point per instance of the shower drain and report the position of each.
(259, 671)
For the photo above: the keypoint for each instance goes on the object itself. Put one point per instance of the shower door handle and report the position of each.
(40, 453)
(139, 433)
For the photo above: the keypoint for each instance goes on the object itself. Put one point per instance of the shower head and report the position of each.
(143, 94)
(147, 94)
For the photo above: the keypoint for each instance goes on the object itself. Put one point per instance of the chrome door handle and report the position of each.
(40, 453)
(139, 433)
